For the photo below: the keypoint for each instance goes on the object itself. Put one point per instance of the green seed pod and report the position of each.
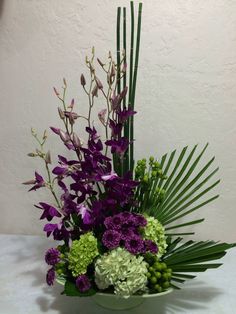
(165, 276)
(158, 274)
(166, 285)
(153, 280)
(159, 289)
(164, 266)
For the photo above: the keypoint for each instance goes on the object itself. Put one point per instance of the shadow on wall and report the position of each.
(1, 7)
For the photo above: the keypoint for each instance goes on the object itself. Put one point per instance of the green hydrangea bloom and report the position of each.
(122, 270)
(82, 253)
(156, 232)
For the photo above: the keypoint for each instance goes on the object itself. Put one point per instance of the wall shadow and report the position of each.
(1, 7)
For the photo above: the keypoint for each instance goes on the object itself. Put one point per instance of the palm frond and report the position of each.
(187, 183)
(193, 257)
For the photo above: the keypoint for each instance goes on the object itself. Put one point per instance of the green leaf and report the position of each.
(72, 291)
(186, 224)
(187, 183)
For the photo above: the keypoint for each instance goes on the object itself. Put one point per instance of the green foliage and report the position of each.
(192, 257)
(180, 190)
(71, 290)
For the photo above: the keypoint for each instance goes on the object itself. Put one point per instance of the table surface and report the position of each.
(23, 289)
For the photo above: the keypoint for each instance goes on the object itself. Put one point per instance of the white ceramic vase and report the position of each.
(114, 302)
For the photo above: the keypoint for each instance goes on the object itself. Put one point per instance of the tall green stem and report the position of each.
(134, 87)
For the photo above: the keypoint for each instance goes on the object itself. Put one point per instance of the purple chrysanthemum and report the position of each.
(151, 246)
(83, 283)
(52, 256)
(134, 245)
(140, 220)
(50, 277)
(111, 239)
(127, 233)
(114, 222)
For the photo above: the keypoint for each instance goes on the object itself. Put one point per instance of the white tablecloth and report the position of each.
(23, 289)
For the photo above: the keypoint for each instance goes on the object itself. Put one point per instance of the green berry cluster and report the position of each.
(159, 277)
(144, 173)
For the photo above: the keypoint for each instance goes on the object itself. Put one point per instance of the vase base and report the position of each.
(116, 303)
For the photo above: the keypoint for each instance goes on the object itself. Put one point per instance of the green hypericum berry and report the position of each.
(149, 275)
(169, 270)
(159, 289)
(151, 269)
(158, 267)
(145, 179)
(165, 276)
(156, 287)
(153, 280)
(158, 274)
(151, 158)
(154, 174)
(166, 285)
(164, 266)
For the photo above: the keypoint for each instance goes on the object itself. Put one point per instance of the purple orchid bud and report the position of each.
(48, 158)
(61, 113)
(56, 92)
(115, 101)
(72, 104)
(71, 118)
(32, 155)
(100, 62)
(99, 83)
(64, 136)
(124, 92)
(82, 80)
(70, 113)
(30, 182)
(55, 130)
(124, 68)
(76, 141)
(102, 115)
(113, 69)
(95, 91)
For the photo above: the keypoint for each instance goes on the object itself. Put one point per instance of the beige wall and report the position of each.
(186, 90)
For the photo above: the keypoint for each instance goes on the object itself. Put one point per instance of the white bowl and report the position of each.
(114, 302)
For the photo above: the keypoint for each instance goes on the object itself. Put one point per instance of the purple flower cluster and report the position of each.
(50, 277)
(123, 229)
(52, 256)
(83, 283)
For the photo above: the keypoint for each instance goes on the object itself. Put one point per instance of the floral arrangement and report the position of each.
(116, 217)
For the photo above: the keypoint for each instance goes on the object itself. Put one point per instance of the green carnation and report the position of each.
(156, 232)
(82, 253)
(122, 270)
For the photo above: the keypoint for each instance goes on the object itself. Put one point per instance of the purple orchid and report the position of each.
(85, 214)
(49, 212)
(118, 146)
(110, 176)
(65, 167)
(125, 114)
(38, 182)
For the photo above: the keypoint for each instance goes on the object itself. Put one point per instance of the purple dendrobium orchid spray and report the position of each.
(114, 219)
